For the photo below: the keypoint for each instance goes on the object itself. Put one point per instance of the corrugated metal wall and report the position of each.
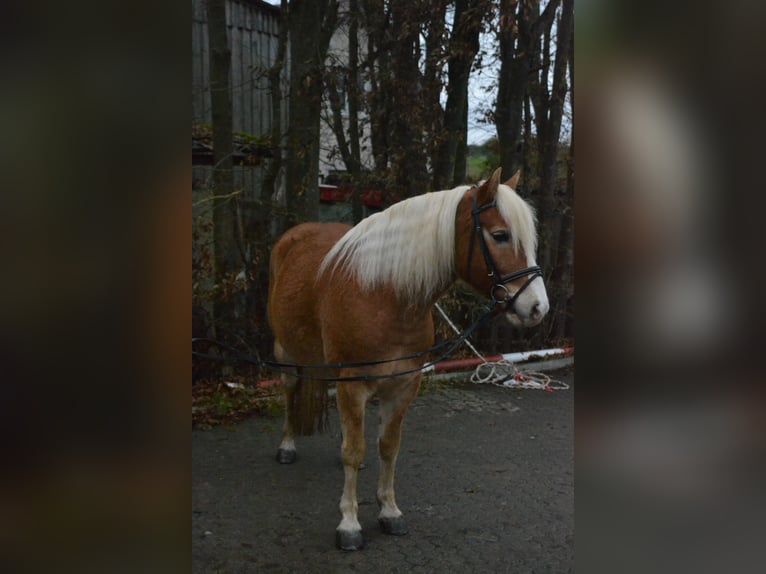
(253, 32)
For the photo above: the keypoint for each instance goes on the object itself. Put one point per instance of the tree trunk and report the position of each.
(353, 111)
(565, 304)
(311, 23)
(408, 157)
(331, 79)
(563, 275)
(461, 153)
(270, 182)
(265, 213)
(433, 84)
(521, 28)
(376, 65)
(515, 48)
(224, 212)
(549, 144)
(464, 44)
(349, 146)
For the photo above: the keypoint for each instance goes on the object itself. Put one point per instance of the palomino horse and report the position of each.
(342, 300)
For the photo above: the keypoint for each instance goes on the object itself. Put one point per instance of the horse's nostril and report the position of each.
(536, 310)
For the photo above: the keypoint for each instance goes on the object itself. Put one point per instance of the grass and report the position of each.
(477, 167)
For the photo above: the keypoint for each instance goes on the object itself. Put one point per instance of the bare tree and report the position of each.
(224, 210)
(408, 163)
(275, 89)
(353, 108)
(535, 46)
(549, 112)
(342, 81)
(463, 47)
(521, 26)
(436, 35)
(311, 24)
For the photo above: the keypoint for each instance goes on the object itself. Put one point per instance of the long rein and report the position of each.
(452, 344)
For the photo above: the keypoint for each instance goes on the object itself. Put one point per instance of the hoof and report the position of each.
(286, 456)
(394, 526)
(349, 540)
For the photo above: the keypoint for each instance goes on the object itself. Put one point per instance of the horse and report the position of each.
(354, 304)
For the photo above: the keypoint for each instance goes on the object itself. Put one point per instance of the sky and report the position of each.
(481, 91)
(482, 88)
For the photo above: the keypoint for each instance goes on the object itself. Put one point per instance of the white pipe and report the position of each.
(524, 355)
(512, 357)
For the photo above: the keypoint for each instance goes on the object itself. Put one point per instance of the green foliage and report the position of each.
(483, 159)
(250, 139)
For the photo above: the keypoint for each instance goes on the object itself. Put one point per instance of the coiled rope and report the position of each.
(505, 373)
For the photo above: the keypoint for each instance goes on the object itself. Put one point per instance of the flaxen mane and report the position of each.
(411, 244)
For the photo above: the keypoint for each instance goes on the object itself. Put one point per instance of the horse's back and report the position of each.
(292, 305)
(305, 241)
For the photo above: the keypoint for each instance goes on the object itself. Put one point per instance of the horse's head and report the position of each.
(495, 244)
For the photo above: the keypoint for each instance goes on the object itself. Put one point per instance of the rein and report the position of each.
(492, 271)
(452, 345)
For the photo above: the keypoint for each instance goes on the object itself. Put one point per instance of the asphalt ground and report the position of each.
(485, 480)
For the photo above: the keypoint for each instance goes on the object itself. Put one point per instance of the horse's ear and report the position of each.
(488, 189)
(514, 181)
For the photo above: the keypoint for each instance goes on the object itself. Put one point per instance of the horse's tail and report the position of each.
(309, 406)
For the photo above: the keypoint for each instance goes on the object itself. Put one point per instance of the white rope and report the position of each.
(504, 373)
(458, 331)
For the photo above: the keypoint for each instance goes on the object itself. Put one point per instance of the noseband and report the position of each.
(492, 270)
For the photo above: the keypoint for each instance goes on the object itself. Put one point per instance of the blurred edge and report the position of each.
(95, 302)
(669, 403)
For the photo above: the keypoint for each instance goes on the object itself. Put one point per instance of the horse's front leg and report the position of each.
(392, 411)
(351, 398)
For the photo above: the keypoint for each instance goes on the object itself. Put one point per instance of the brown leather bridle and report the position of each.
(533, 272)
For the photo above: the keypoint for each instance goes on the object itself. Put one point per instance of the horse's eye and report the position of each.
(500, 236)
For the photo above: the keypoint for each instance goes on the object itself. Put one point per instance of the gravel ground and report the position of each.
(485, 481)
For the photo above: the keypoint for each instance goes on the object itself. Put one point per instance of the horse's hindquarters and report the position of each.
(294, 291)
(294, 318)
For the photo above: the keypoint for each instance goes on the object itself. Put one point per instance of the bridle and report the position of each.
(492, 271)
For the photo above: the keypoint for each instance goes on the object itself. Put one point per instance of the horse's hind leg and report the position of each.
(351, 398)
(392, 410)
(286, 453)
